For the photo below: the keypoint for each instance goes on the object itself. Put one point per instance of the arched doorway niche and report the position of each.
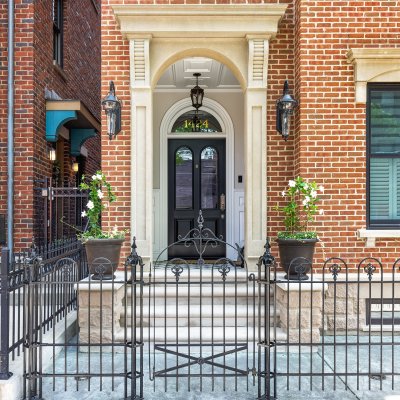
(234, 157)
(237, 35)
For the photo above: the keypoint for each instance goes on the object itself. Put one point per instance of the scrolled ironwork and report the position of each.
(369, 269)
(200, 238)
(66, 266)
(224, 270)
(369, 266)
(335, 269)
(177, 271)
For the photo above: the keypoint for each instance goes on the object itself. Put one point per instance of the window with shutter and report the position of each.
(383, 122)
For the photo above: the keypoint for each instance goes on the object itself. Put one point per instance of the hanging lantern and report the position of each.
(112, 107)
(284, 109)
(197, 93)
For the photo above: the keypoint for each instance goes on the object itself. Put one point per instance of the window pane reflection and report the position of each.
(184, 178)
(209, 178)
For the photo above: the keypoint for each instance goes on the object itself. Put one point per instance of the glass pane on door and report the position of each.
(184, 179)
(209, 178)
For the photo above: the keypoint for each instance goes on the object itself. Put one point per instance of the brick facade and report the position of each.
(34, 73)
(329, 139)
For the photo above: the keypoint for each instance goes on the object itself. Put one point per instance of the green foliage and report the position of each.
(100, 196)
(297, 235)
(301, 209)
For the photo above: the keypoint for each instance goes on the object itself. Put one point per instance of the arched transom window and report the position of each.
(205, 123)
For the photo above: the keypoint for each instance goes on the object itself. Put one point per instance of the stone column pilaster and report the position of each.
(141, 146)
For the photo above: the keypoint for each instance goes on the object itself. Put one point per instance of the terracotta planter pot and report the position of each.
(296, 257)
(103, 257)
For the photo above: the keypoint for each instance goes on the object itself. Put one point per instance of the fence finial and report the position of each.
(134, 259)
(267, 258)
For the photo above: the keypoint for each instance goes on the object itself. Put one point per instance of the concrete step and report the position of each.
(230, 315)
(216, 335)
(184, 291)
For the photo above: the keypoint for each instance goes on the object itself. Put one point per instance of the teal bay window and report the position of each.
(383, 129)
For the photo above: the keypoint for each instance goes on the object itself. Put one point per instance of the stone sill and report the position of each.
(370, 235)
(59, 70)
(105, 285)
(353, 277)
(379, 328)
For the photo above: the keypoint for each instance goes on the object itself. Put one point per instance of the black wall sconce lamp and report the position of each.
(112, 107)
(284, 109)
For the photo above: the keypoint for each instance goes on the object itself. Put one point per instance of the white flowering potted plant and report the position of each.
(103, 248)
(297, 242)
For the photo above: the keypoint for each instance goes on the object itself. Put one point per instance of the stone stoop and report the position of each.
(210, 311)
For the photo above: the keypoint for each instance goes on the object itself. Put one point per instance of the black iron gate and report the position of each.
(58, 211)
(203, 320)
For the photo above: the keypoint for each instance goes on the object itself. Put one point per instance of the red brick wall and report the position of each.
(115, 66)
(23, 143)
(332, 127)
(34, 72)
(116, 154)
(280, 154)
(3, 106)
(328, 139)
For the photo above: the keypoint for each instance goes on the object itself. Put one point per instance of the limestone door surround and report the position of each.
(234, 34)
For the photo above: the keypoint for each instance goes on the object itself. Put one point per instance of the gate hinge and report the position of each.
(32, 375)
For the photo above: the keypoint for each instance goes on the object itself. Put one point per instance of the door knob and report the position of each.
(222, 205)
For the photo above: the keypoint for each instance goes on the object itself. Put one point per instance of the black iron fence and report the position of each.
(66, 325)
(58, 211)
(336, 331)
(17, 273)
(210, 326)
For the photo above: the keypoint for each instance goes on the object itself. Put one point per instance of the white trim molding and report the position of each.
(219, 112)
(371, 235)
(217, 20)
(373, 65)
(236, 35)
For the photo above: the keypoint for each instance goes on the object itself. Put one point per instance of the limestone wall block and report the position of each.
(341, 290)
(339, 323)
(303, 335)
(96, 335)
(303, 318)
(295, 298)
(330, 306)
(99, 317)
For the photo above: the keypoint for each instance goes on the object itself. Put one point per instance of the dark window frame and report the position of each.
(58, 32)
(377, 224)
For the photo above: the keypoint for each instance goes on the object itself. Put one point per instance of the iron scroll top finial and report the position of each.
(200, 220)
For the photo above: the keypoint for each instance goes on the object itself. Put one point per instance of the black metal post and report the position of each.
(265, 263)
(4, 317)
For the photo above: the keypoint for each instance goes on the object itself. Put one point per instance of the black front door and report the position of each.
(196, 181)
